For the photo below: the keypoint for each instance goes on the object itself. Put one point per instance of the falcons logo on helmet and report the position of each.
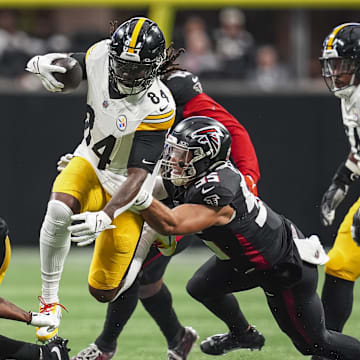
(211, 136)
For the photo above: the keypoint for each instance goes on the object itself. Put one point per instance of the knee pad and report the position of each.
(56, 222)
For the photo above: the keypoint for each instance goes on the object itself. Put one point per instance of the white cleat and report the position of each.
(46, 333)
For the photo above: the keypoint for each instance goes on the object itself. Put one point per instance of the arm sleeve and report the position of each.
(80, 57)
(242, 150)
(146, 149)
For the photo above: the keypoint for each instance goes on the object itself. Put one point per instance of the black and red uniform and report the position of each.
(192, 101)
(256, 249)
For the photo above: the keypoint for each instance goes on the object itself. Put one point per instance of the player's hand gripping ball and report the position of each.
(73, 75)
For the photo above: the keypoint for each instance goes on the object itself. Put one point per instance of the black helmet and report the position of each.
(137, 50)
(197, 145)
(340, 59)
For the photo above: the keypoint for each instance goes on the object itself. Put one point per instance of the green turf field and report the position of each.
(141, 339)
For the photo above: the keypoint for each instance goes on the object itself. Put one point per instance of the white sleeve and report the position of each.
(159, 191)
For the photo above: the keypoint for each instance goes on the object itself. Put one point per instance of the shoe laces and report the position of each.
(46, 307)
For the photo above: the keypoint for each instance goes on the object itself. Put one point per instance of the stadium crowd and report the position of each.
(220, 44)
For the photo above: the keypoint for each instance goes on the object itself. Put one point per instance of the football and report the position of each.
(73, 76)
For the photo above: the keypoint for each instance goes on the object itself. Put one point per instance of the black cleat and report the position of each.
(182, 349)
(55, 349)
(315, 357)
(221, 344)
(92, 352)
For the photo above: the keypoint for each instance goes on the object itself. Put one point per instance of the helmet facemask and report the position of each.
(179, 162)
(132, 77)
(339, 73)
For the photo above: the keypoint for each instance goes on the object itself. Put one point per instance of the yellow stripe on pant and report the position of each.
(115, 248)
(344, 256)
(4, 263)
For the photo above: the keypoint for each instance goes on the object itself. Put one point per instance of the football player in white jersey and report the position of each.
(129, 111)
(340, 62)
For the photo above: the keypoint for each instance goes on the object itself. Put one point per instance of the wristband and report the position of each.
(29, 322)
(344, 175)
(143, 201)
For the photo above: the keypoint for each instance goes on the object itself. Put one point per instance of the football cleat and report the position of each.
(221, 344)
(92, 352)
(46, 333)
(315, 357)
(182, 349)
(55, 349)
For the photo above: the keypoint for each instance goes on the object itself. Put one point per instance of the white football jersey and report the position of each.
(350, 108)
(111, 124)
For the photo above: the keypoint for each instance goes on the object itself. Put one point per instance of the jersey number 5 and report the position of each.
(102, 148)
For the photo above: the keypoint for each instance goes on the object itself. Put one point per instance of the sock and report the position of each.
(117, 315)
(19, 350)
(226, 308)
(159, 306)
(337, 297)
(54, 247)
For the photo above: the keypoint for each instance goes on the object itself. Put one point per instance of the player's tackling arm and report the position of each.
(13, 312)
(127, 192)
(185, 219)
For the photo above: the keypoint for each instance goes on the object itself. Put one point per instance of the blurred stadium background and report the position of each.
(258, 58)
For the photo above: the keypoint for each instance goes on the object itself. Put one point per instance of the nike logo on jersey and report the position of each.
(147, 162)
(162, 109)
(57, 352)
(205, 191)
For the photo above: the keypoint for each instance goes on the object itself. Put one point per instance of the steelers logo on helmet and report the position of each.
(340, 59)
(136, 51)
(196, 145)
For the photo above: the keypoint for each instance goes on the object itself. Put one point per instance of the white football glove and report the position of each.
(41, 65)
(92, 224)
(45, 319)
(64, 161)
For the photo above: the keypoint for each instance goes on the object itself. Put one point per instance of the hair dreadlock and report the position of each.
(113, 26)
(168, 66)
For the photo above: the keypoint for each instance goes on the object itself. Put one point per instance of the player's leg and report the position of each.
(5, 249)
(114, 257)
(157, 300)
(120, 309)
(13, 349)
(117, 314)
(341, 271)
(20, 350)
(75, 189)
(212, 285)
(299, 313)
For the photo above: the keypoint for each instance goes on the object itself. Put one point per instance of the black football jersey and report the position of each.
(184, 86)
(257, 237)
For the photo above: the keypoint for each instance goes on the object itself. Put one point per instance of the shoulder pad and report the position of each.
(97, 49)
(184, 86)
(162, 109)
(210, 191)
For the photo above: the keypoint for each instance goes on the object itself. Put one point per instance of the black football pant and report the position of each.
(297, 310)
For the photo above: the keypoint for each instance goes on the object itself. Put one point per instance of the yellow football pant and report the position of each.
(344, 256)
(5, 257)
(115, 248)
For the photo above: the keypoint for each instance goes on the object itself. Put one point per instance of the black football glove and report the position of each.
(336, 193)
(332, 198)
